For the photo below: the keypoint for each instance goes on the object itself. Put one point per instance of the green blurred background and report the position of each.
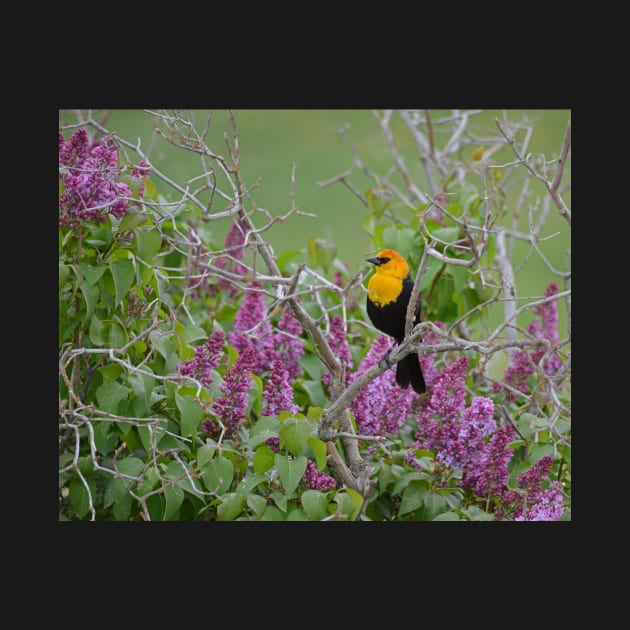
(272, 140)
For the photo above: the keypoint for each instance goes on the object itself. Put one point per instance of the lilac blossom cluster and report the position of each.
(522, 363)
(467, 438)
(381, 406)
(529, 502)
(316, 480)
(234, 245)
(231, 407)
(252, 329)
(339, 346)
(89, 175)
(206, 359)
(278, 394)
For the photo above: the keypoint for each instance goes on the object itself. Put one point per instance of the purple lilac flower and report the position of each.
(273, 443)
(89, 175)
(288, 344)
(523, 364)
(549, 506)
(234, 244)
(278, 394)
(381, 406)
(269, 346)
(531, 479)
(316, 480)
(546, 328)
(230, 408)
(206, 359)
(489, 475)
(251, 313)
(340, 347)
(476, 423)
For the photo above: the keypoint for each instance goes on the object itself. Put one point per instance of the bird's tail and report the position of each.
(409, 372)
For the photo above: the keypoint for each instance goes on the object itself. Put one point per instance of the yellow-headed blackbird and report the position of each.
(389, 290)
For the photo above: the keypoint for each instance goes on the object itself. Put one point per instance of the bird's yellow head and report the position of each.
(386, 284)
(390, 263)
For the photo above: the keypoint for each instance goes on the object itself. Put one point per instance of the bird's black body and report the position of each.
(390, 319)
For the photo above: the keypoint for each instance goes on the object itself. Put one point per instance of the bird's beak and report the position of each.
(374, 261)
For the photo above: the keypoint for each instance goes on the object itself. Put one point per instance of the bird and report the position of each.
(389, 290)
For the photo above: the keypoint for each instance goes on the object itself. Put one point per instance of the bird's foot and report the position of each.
(385, 359)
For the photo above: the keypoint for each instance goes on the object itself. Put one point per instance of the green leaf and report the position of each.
(431, 270)
(540, 451)
(345, 505)
(319, 450)
(123, 273)
(266, 424)
(90, 295)
(204, 454)
(193, 333)
(272, 513)
(413, 497)
(315, 504)
(132, 219)
(173, 496)
(109, 394)
(461, 277)
(92, 274)
(131, 466)
(217, 474)
(565, 452)
(285, 258)
(296, 515)
(249, 482)
(97, 332)
(315, 392)
(446, 234)
(528, 423)
(280, 499)
(357, 499)
(294, 433)
(116, 336)
(79, 496)
(104, 440)
(122, 500)
(191, 414)
(477, 514)
(264, 458)
(256, 504)
(290, 471)
(312, 366)
(402, 240)
(447, 516)
(433, 505)
(231, 506)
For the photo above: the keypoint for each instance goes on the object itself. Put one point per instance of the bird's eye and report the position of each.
(384, 260)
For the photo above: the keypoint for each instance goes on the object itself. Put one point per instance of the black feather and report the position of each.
(390, 319)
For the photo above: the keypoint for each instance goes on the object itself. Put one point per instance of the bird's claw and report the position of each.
(386, 359)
